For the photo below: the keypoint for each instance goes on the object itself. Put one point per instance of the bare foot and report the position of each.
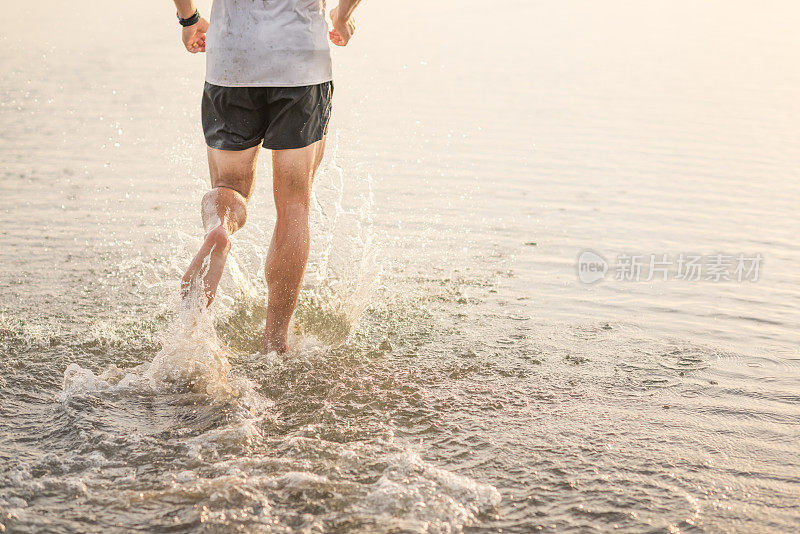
(274, 339)
(278, 346)
(275, 335)
(209, 263)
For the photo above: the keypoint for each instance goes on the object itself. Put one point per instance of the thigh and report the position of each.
(293, 171)
(234, 169)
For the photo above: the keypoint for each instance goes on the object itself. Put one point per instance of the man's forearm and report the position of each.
(186, 8)
(346, 8)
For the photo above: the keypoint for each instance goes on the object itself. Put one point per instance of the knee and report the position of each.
(237, 179)
(292, 209)
(293, 196)
(294, 191)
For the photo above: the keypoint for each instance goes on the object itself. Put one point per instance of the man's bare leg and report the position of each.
(293, 174)
(224, 210)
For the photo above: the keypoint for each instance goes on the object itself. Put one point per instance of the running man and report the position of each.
(269, 83)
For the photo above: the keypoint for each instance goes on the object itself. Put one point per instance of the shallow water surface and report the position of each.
(450, 372)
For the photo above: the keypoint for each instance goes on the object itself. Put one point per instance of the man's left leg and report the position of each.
(224, 211)
(293, 174)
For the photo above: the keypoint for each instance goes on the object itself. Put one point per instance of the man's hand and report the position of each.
(194, 36)
(343, 27)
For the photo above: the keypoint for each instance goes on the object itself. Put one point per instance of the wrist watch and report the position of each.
(189, 21)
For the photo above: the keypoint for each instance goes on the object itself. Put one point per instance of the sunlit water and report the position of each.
(449, 371)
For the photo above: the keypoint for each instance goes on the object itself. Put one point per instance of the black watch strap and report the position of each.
(194, 19)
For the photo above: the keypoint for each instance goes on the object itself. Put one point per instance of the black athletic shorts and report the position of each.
(236, 118)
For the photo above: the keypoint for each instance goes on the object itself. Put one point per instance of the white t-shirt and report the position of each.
(267, 43)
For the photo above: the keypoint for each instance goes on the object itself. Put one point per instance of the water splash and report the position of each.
(192, 359)
(344, 271)
(421, 497)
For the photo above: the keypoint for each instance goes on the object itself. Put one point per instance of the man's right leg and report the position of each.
(224, 210)
(293, 174)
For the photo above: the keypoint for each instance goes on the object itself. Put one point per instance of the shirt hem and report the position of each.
(269, 84)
